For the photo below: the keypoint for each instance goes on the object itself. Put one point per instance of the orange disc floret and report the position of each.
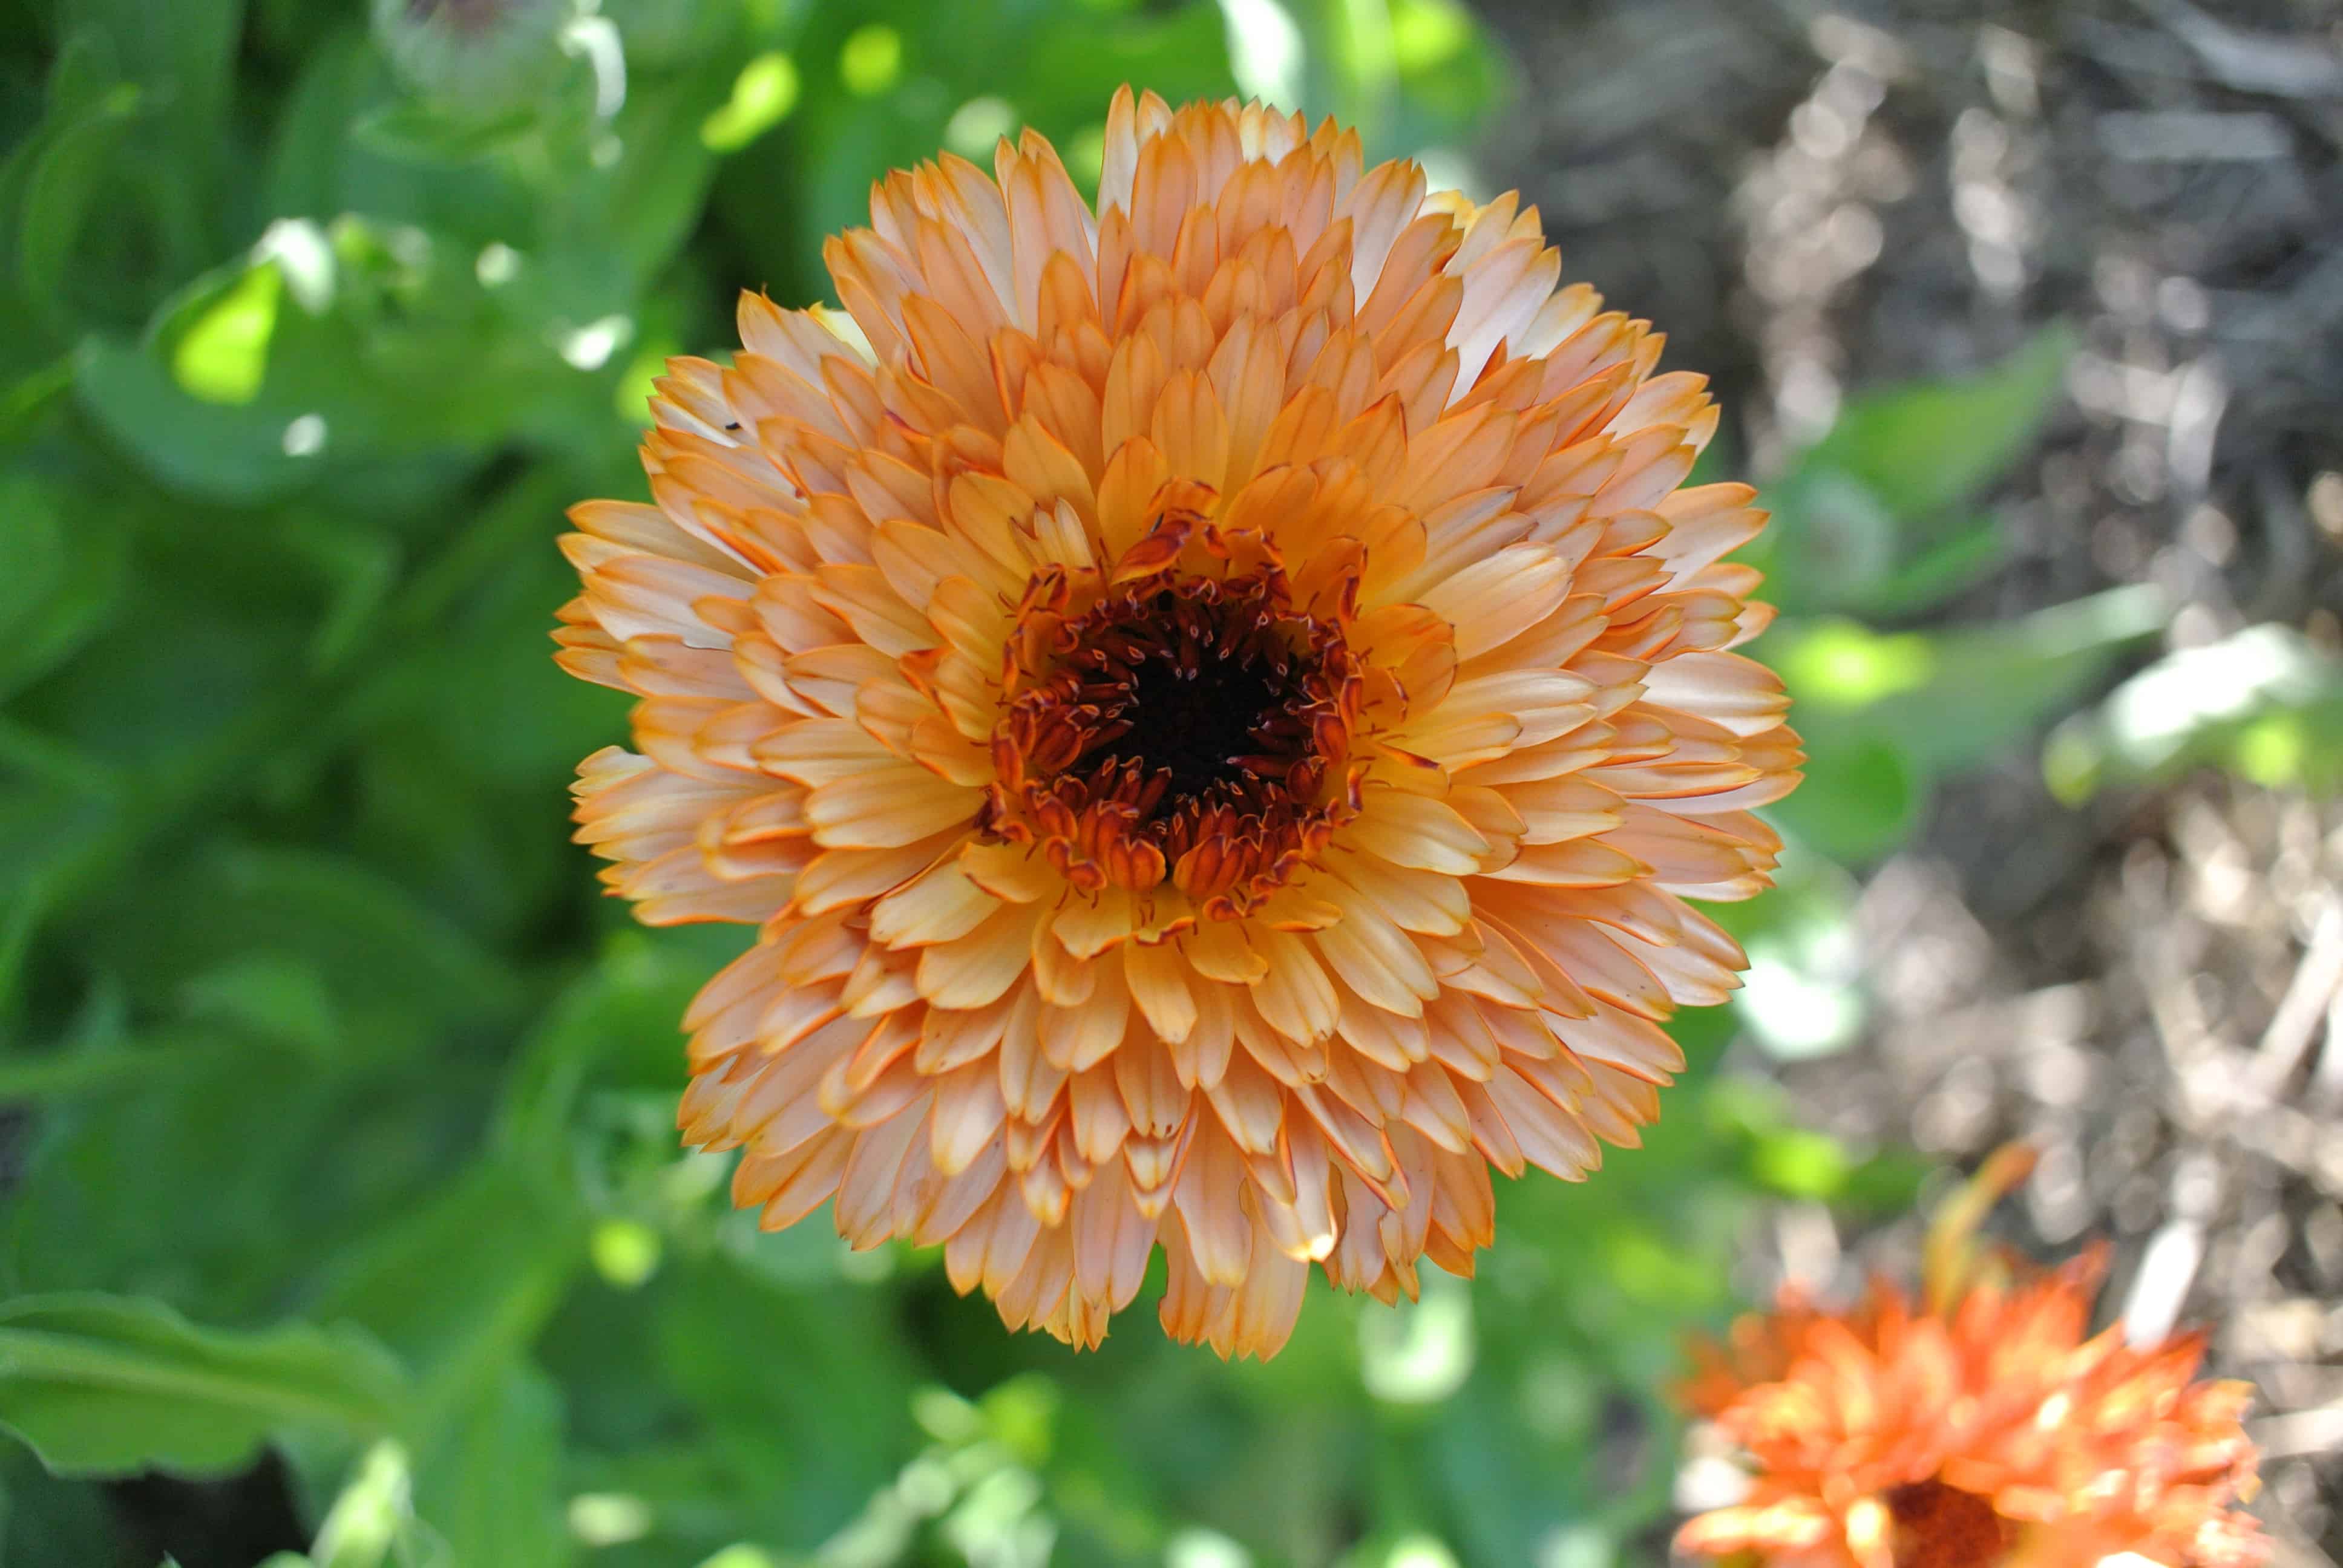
(1216, 703)
(1986, 1429)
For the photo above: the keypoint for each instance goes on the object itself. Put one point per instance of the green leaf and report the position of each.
(386, 343)
(1937, 574)
(223, 355)
(490, 1487)
(1994, 686)
(36, 1075)
(1922, 447)
(85, 68)
(318, 166)
(232, 453)
(1862, 794)
(2263, 702)
(397, 966)
(1865, 519)
(803, 1394)
(1945, 699)
(186, 50)
(424, 133)
(271, 995)
(637, 210)
(498, 1247)
(57, 584)
(621, 1022)
(23, 404)
(254, 1169)
(104, 1385)
(61, 188)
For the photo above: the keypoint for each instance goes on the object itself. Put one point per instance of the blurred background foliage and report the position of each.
(343, 1218)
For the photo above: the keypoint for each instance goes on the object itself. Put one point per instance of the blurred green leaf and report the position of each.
(48, 1521)
(213, 451)
(1922, 447)
(803, 1394)
(38, 1075)
(1862, 795)
(1991, 685)
(1868, 519)
(390, 343)
(2262, 702)
(25, 403)
(60, 188)
(1885, 714)
(187, 50)
(106, 1385)
(318, 166)
(57, 585)
(1938, 572)
(271, 994)
(488, 1487)
(377, 951)
(462, 1283)
(426, 134)
(256, 1168)
(762, 95)
(1757, 1117)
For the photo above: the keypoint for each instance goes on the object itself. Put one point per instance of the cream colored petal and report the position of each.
(1157, 975)
(887, 805)
(1294, 997)
(1417, 832)
(978, 968)
(940, 904)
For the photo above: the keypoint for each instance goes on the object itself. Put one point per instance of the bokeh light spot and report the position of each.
(763, 93)
(626, 1252)
(978, 124)
(1427, 33)
(224, 356)
(872, 60)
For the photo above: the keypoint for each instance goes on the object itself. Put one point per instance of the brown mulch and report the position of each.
(1811, 200)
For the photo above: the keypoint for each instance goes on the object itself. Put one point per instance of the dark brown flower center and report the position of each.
(1939, 1526)
(1183, 730)
(1201, 696)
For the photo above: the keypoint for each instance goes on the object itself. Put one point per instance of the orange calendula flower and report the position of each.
(1984, 1428)
(1215, 703)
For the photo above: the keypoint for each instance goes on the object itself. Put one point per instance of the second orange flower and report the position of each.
(1983, 1427)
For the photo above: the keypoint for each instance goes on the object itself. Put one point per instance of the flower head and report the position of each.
(1216, 705)
(1985, 1428)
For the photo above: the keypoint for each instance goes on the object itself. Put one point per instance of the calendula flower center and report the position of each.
(1202, 709)
(1941, 1526)
(1190, 731)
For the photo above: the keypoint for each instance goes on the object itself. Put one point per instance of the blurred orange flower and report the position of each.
(1215, 704)
(1984, 1428)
